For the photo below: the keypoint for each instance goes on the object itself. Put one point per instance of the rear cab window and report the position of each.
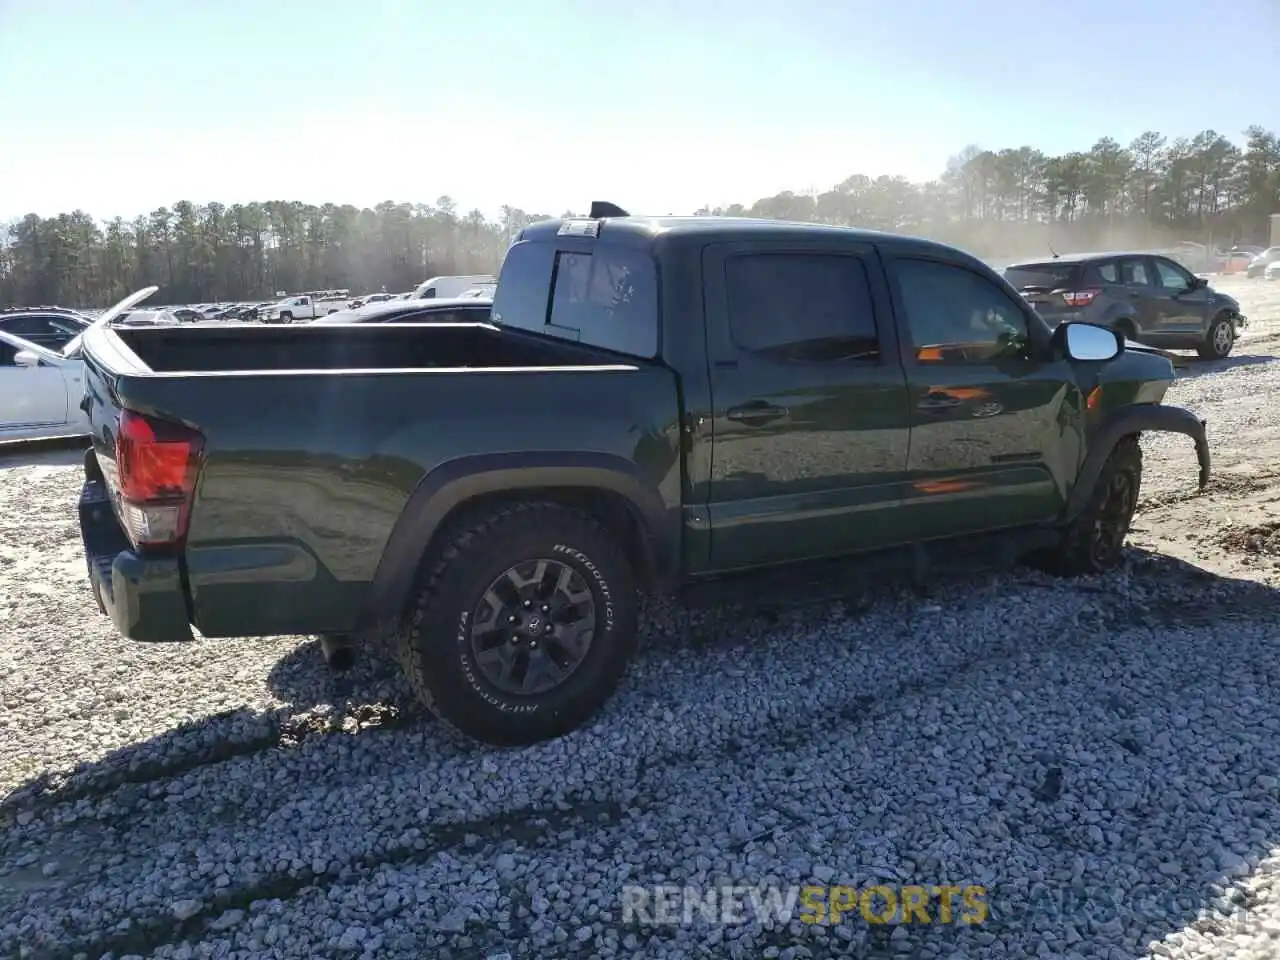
(585, 291)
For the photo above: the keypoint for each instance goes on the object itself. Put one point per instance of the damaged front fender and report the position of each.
(1134, 419)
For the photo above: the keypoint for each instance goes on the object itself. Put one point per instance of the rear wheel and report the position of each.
(1125, 329)
(523, 626)
(1219, 339)
(1094, 542)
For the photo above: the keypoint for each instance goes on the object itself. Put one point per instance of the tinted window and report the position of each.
(1051, 276)
(801, 306)
(957, 316)
(1134, 272)
(1171, 278)
(23, 326)
(1108, 271)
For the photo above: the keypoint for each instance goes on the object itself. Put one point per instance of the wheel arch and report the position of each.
(607, 487)
(1124, 316)
(1133, 420)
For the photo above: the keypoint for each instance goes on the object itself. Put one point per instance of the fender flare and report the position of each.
(455, 482)
(1135, 418)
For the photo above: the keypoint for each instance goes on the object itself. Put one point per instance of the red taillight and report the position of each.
(156, 467)
(1079, 298)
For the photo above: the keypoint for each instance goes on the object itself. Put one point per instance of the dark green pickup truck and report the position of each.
(658, 402)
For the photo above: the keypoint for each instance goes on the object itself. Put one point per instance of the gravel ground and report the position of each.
(1103, 756)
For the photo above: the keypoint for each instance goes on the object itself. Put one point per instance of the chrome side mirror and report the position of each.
(1090, 342)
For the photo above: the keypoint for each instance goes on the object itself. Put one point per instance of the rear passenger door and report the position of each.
(994, 431)
(810, 418)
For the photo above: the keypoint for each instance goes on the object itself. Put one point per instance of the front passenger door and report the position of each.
(994, 429)
(1183, 306)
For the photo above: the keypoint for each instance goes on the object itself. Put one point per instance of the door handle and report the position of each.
(756, 414)
(941, 403)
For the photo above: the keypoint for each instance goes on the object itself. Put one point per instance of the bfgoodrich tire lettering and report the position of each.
(436, 644)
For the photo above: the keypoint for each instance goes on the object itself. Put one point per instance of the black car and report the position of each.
(51, 329)
(445, 310)
(1149, 298)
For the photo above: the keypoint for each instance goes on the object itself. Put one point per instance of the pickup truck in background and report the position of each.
(656, 403)
(302, 307)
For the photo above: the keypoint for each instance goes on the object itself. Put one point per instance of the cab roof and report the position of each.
(645, 231)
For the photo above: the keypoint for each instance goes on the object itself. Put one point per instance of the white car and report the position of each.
(41, 389)
(148, 318)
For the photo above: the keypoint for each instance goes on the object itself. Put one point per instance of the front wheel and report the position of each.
(1094, 541)
(286, 318)
(524, 625)
(1219, 339)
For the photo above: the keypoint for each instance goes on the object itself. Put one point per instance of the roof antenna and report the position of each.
(602, 208)
(1053, 251)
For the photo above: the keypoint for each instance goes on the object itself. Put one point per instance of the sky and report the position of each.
(118, 107)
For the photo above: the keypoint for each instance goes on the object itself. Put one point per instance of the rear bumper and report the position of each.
(144, 596)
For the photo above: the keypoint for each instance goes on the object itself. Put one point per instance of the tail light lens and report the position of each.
(1079, 298)
(157, 463)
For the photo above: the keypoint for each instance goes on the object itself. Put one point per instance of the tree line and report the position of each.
(1153, 191)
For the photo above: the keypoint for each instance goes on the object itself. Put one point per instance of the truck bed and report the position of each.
(344, 347)
(315, 438)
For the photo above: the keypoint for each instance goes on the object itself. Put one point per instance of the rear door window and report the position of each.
(808, 307)
(1104, 271)
(1134, 273)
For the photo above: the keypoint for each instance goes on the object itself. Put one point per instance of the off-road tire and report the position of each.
(1076, 555)
(1212, 347)
(433, 644)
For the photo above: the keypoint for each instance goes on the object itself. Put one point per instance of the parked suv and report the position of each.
(1149, 298)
